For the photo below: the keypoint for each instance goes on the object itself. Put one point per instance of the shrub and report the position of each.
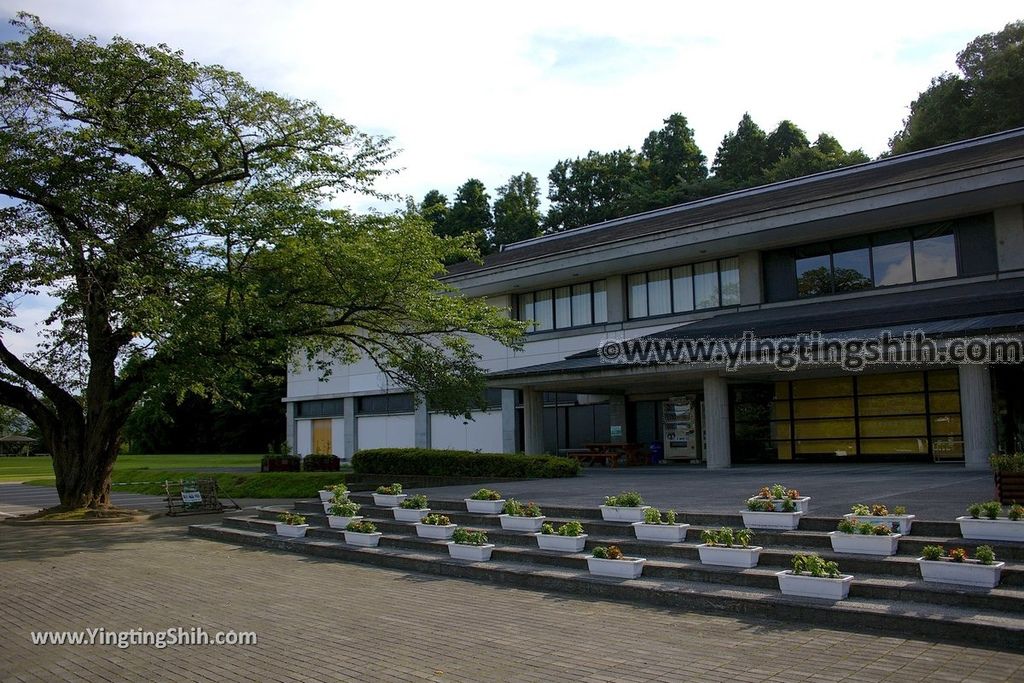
(865, 528)
(362, 527)
(760, 505)
(992, 508)
(932, 552)
(446, 463)
(337, 489)
(974, 510)
(573, 528)
(416, 502)
(601, 553)
(393, 490)
(778, 491)
(815, 566)
(860, 509)
(291, 518)
(486, 494)
(344, 508)
(516, 509)
(744, 536)
(626, 499)
(435, 519)
(1016, 512)
(1007, 462)
(547, 528)
(985, 554)
(654, 516)
(670, 517)
(612, 552)
(319, 462)
(848, 526)
(788, 505)
(469, 537)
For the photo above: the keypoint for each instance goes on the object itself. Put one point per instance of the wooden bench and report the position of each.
(590, 457)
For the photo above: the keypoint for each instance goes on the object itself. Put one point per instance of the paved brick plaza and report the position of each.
(324, 621)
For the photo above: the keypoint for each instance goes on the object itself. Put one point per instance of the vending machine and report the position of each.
(679, 427)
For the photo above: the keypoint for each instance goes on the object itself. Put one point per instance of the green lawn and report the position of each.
(24, 469)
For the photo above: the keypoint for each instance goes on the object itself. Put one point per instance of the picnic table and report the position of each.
(609, 454)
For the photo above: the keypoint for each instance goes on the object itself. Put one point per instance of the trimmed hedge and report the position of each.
(443, 463)
(318, 462)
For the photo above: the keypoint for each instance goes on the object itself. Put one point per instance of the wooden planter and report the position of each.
(1010, 487)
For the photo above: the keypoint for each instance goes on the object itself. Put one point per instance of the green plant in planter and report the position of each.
(292, 518)
(344, 508)
(727, 537)
(815, 566)
(778, 491)
(879, 510)
(573, 528)
(654, 516)
(612, 552)
(393, 490)
(991, 509)
(743, 537)
(865, 528)
(626, 499)
(760, 505)
(516, 509)
(416, 502)
(469, 537)
(547, 528)
(974, 510)
(435, 519)
(848, 526)
(860, 509)
(1007, 462)
(881, 530)
(337, 489)
(788, 505)
(957, 555)
(932, 552)
(899, 510)
(486, 494)
(1016, 512)
(364, 526)
(985, 554)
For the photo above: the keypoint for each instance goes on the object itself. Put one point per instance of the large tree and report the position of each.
(591, 189)
(742, 155)
(672, 157)
(987, 95)
(178, 217)
(471, 214)
(517, 210)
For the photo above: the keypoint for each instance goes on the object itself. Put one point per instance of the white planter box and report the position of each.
(724, 556)
(385, 500)
(904, 522)
(339, 522)
(413, 515)
(291, 530)
(562, 544)
(510, 523)
(628, 568)
(612, 513)
(366, 540)
(802, 503)
(486, 507)
(771, 520)
(969, 573)
(442, 531)
(991, 529)
(476, 553)
(808, 586)
(864, 544)
(326, 496)
(670, 533)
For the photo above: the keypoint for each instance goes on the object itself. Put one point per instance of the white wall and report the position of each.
(303, 437)
(386, 431)
(483, 433)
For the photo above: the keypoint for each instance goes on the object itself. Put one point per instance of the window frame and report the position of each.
(673, 310)
(550, 291)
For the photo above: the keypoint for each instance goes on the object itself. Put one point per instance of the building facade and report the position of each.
(929, 243)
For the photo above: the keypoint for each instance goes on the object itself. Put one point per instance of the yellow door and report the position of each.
(322, 436)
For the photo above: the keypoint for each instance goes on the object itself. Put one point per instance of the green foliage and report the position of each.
(881, 530)
(394, 489)
(469, 537)
(363, 526)
(434, 210)
(291, 518)
(1007, 462)
(414, 502)
(991, 509)
(591, 189)
(1016, 512)
(435, 519)
(879, 510)
(865, 528)
(671, 157)
(760, 505)
(899, 510)
(652, 516)
(573, 528)
(320, 462)
(932, 552)
(444, 463)
(742, 155)
(517, 210)
(629, 499)
(344, 508)
(744, 536)
(788, 505)
(486, 494)
(470, 215)
(547, 528)
(985, 554)
(975, 510)
(337, 489)
(847, 526)
(727, 537)
(611, 552)
(601, 552)
(814, 565)
(516, 509)
(670, 517)
(957, 555)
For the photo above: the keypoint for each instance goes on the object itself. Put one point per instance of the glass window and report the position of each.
(563, 307)
(935, 258)
(730, 271)
(600, 302)
(581, 304)
(682, 288)
(813, 271)
(659, 293)
(705, 284)
(526, 308)
(851, 270)
(542, 310)
(891, 257)
(638, 295)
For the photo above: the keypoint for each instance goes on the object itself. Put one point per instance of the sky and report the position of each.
(488, 90)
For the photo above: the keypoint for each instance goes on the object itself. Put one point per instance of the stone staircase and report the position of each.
(887, 593)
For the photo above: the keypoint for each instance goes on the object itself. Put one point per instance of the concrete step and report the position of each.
(667, 585)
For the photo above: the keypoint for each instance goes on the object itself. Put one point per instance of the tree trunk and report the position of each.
(82, 466)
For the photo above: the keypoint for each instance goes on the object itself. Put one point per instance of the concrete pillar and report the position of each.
(348, 407)
(976, 416)
(421, 422)
(508, 421)
(716, 423)
(750, 278)
(617, 419)
(533, 422)
(290, 439)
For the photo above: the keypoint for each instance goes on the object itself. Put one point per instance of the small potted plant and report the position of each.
(291, 525)
(628, 506)
(435, 526)
(897, 520)
(328, 493)
(485, 501)
(658, 527)
(955, 567)
(778, 494)
(813, 577)
(609, 561)
(761, 513)
(519, 517)
(863, 538)
(412, 509)
(728, 548)
(984, 523)
(342, 513)
(469, 544)
(362, 532)
(388, 496)
(569, 538)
